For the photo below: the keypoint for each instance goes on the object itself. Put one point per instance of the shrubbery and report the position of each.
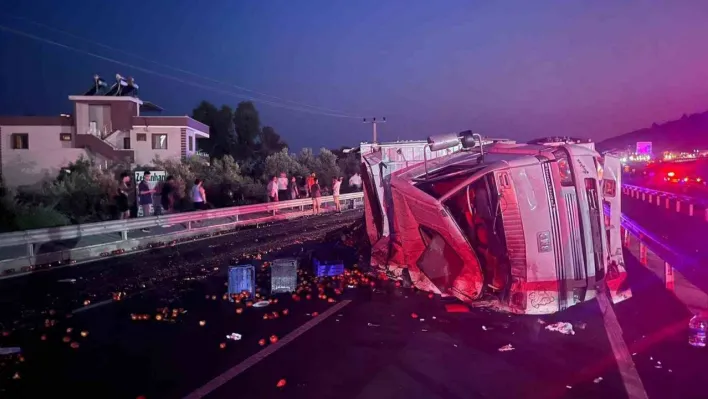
(84, 193)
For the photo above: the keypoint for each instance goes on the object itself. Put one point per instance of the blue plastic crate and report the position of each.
(242, 278)
(328, 269)
(283, 275)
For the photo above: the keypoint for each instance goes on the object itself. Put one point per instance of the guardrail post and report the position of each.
(189, 225)
(658, 200)
(668, 202)
(124, 235)
(690, 209)
(642, 253)
(30, 250)
(651, 198)
(669, 276)
(626, 237)
(644, 196)
(705, 217)
(678, 206)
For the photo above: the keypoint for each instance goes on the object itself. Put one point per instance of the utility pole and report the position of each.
(374, 122)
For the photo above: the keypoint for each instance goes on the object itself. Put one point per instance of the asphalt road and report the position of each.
(371, 347)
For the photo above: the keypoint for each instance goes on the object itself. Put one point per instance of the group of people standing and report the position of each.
(129, 199)
(281, 189)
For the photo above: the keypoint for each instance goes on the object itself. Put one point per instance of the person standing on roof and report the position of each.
(309, 182)
(282, 187)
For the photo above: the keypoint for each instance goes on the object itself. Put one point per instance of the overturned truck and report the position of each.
(523, 228)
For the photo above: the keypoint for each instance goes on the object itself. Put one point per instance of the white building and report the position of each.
(106, 126)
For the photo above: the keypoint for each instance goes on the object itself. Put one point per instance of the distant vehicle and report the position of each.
(685, 177)
(517, 227)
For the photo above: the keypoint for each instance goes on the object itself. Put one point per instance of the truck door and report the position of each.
(612, 199)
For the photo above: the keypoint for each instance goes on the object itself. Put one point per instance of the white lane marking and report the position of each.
(233, 372)
(630, 377)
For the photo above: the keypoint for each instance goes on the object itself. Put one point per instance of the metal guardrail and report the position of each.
(667, 198)
(674, 262)
(123, 226)
(115, 238)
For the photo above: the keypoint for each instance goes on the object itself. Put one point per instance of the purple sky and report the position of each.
(519, 69)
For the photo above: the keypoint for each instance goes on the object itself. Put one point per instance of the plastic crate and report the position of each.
(283, 275)
(327, 269)
(242, 278)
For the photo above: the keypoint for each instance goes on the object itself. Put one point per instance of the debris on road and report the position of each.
(597, 380)
(561, 327)
(456, 308)
(67, 280)
(281, 383)
(506, 348)
(373, 325)
(234, 337)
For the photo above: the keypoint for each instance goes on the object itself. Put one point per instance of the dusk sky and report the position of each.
(518, 69)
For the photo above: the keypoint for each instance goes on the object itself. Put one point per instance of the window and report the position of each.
(610, 188)
(191, 143)
(159, 141)
(126, 143)
(141, 137)
(20, 141)
(65, 136)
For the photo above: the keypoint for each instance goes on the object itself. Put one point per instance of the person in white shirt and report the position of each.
(355, 181)
(282, 187)
(336, 185)
(273, 191)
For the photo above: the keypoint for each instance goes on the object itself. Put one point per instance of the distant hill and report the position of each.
(689, 132)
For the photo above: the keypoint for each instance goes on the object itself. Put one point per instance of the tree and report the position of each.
(248, 128)
(222, 131)
(307, 159)
(327, 168)
(270, 142)
(283, 162)
(349, 164)
(82, 192)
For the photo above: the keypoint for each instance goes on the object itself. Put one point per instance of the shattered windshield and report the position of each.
(476, 210)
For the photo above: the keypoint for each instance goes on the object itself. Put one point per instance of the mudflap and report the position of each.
(618, 283)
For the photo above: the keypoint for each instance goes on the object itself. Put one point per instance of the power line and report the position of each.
(180, 70)
(199, 85)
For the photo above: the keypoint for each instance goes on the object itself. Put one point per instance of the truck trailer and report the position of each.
(528, 228)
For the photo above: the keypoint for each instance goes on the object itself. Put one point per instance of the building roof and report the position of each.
(170, 121)
(36, 121)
